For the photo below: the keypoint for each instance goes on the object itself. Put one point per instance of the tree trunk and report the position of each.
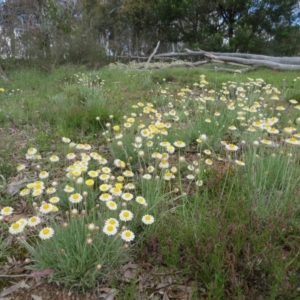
(3, 75)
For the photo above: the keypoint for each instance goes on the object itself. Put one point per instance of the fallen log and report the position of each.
(239, 59)
(255, 62)
(281, 60)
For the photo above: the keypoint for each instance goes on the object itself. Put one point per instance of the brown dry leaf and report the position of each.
(178, 292)
(169, 279)
(165, 296)
(141, 283)
(35, 297)
(17, 270)
(162, 285)
(8, 240)
(17, 217)
(153, 297)
(107, 293)
(13, 288)
(10, 260)
(16, 183)
(129, 271)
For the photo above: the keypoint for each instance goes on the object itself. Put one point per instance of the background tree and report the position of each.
(84, 31)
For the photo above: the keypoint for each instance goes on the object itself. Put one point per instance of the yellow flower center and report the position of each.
(15, 226)
(110, 228)
(46, 231)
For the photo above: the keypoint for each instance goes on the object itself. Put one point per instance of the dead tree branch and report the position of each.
(238, 59)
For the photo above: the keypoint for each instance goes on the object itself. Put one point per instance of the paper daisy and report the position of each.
(24, 192)
(66, 140)
(46, 208)
(20, 167)
(128, 173)
(179, 144)
(105, 187)
(103, 161)
(140, 200)
(33, 221)
(22, 222)
(76, 173)
(31, 151)
(37, 192)
(111, 205)
(127, 196)
(116, 191)
(266, 142)
(150, 169)
(112, 221)
(110, 229)
(75, 198)
(105, 197)
(126, 215)
(292, 141)
(68, 189)
(6, 211)
(39, 185)
(50, 190)
(87, 147)
(46, 233)
(127, 236)
(149, 144)
(71, 156)
(120, 179)
(148, 219)
(119, 163)
(208, 162)
(171, 149)
(16, 228)
(231, 147)
(168, 176)
(54, 200)
(289, 129)
(129, 186)
(104, 177)
(79, 146)
(191, 167)
(54, 158)
(89, 182)
(207, 152)
(43, 175)
(106, 170)
(272, 130)
(199, 182)
(239, 162)
(93, 174)
(164, 164)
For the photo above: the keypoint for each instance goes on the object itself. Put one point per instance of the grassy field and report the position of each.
(163, 184)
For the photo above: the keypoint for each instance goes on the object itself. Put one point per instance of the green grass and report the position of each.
(234, 237)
